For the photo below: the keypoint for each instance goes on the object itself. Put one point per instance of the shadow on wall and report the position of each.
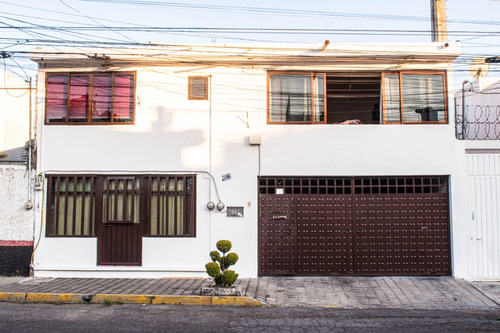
(158, 146)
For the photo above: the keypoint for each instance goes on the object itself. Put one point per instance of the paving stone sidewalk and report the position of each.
(345, 292)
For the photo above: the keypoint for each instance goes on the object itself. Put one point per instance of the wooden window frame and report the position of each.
(69, 195)
(301, 73)
(190, 89)
(90, 101)
(188, 212)
(401, 106)
(145, 192)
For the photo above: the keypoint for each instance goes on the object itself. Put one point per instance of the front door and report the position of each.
(119, 220)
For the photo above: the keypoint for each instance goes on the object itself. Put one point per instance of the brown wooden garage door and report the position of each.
(354, 226)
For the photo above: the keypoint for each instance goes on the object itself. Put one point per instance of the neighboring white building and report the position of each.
(325, 161)
(16, 222)
(479, 105)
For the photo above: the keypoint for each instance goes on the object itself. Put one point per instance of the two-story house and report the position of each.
(313, 159)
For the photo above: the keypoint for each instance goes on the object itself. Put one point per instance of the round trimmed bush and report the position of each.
(232, 258)
(215, 256)
(224, 245)
(228, 278)
(213, 269)
(218, 268)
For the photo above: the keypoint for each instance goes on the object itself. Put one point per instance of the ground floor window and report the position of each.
(162, 205)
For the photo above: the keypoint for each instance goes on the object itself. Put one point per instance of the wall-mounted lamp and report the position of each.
(220, 206)
(210, 205)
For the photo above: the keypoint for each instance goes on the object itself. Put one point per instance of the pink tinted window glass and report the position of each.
(56, 98)
(78, 98)
(102, 98)
(123, 101)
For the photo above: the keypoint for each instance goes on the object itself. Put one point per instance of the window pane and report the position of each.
(56, 98)
(319, 98)
(290, 98)
(171, 207)
(423, 97)
(392, 103)
(102, 98)
(78, 98)
(71, 206)
(124, 98)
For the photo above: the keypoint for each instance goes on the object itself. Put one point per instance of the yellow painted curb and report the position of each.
(234, 301)
(129, 299)
(120, 299)
(53, 298)
(182, 300)
(12, 297)
(174, 300)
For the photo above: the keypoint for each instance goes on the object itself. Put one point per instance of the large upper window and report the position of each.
(76, 98)
(357, 98)
(296, 98)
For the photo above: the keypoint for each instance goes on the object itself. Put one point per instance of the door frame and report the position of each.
(135, 231)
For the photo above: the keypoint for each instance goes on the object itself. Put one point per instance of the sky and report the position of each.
(25, 24)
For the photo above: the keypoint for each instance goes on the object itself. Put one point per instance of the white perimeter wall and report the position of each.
(16, 223)
(172, 134)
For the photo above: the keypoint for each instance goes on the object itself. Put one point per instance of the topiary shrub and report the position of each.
(218, 268)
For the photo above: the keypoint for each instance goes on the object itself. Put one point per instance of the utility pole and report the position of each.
(438, 17)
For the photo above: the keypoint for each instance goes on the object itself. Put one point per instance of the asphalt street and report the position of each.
(16, 317)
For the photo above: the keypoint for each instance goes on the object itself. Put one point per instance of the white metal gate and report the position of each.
(484, 202)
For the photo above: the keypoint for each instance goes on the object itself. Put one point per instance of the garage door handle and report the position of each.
(360, 229)
(347, 231)
(290, 231)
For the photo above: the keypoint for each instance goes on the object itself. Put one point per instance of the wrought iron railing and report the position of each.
(477, 122)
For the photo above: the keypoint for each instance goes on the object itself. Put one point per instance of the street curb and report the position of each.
(111, 299)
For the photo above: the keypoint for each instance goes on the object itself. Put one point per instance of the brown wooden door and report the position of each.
(119, 220)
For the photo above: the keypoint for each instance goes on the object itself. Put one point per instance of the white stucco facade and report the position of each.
(174, 135)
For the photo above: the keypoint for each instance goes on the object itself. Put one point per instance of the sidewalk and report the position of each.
(342, 292)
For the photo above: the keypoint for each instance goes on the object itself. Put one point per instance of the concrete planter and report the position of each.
(220, 291)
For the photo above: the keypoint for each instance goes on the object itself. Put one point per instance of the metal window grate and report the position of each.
(299, 185)
(71, 203)
(356, 185)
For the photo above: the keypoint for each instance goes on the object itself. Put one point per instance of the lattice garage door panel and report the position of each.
(403, 235)
(324, 242)
(354, 226)
(277, 236)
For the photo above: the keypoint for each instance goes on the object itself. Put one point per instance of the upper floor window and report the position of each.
(357, 98)
(80, 98)
(414, 98)
(297, 98)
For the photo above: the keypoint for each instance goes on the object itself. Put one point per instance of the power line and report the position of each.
(282, 11)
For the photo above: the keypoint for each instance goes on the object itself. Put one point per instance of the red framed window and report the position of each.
(81, 98)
